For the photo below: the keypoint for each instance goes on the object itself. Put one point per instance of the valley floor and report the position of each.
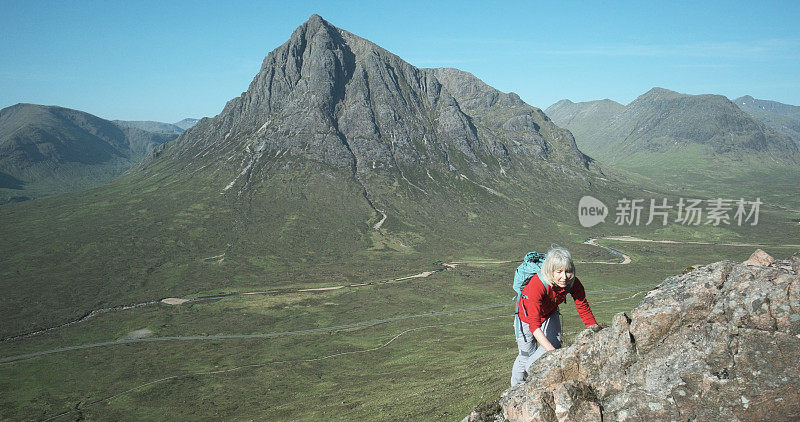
(342, 352)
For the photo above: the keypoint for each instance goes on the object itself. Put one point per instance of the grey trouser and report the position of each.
(529, 349)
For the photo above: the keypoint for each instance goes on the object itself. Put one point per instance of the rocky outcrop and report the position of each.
(719, 343)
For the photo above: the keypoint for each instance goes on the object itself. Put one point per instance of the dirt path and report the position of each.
(625, 258)
(137, 339)
(378, 225)
(182, 300)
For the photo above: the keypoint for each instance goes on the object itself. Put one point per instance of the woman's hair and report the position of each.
(557, 258)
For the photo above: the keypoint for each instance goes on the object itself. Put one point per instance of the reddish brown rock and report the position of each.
(721, 342)
(759, 257)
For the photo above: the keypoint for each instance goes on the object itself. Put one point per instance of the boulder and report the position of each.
(759, 257)
(721, 342)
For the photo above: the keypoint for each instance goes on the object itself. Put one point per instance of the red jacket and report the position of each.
(535, 305)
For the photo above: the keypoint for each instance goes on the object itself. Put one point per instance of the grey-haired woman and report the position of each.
(539, 326)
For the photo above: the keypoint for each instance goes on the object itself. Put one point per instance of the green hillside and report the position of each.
(46, 150)
(676, 140)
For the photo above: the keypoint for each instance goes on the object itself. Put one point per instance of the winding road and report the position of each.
(624, 259)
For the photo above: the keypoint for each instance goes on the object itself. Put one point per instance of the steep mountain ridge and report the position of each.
(525, 131)
(49, 149)
(783, 118)
(338, 99)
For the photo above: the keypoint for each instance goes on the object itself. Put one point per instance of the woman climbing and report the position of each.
(538, 329)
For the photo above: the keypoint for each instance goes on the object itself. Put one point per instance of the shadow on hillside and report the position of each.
(10, 182)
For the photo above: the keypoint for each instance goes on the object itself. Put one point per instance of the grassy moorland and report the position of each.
(417, 367)
(417, 349)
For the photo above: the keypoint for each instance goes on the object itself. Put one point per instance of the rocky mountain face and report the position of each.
(47, 149)
(783, 118)
(663, 121)
(334, 98)
(721, 342)
(334, 125)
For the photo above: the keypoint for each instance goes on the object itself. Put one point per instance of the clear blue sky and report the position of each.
(166, 60)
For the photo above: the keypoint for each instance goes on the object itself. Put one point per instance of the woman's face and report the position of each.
(561, 276)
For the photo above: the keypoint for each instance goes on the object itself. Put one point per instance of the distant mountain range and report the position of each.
(159, 127)
(46, 150)
(676, 137)
(784, 118)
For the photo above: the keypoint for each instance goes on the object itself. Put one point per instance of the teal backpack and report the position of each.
(531, 264)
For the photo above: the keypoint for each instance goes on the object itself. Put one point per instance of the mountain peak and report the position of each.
(329, 96)
(314, 23)
(658, 92)
(563, 103)
(315, 18)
